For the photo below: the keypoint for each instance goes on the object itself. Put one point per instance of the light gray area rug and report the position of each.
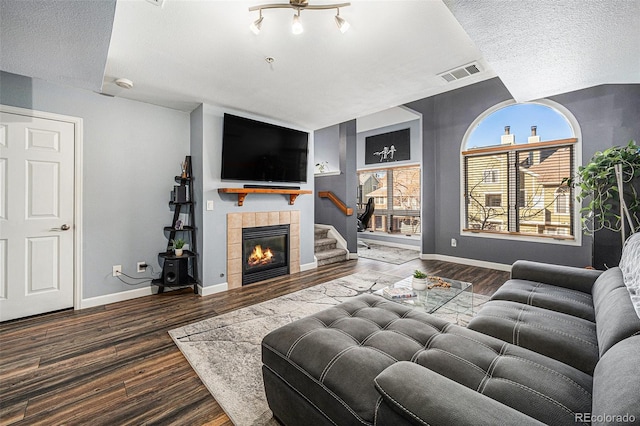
(383, 253)
(225, 350)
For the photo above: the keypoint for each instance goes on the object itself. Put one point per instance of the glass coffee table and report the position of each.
(455, 299)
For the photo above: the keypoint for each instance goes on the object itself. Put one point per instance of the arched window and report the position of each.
(515, 160)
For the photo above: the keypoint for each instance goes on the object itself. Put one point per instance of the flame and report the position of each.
(260, 257)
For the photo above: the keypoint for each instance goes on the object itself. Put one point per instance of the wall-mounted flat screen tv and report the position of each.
(262, 152)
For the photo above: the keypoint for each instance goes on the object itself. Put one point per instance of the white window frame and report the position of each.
(494, 174)
(492, 194)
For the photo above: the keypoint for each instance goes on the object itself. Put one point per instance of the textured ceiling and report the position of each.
(541, 48)
(189, 52)
(61, 41)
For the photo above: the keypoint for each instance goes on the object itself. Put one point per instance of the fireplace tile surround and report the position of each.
(237, 221)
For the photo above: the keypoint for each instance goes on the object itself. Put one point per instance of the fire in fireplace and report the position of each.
(260, 257)
(265, 253)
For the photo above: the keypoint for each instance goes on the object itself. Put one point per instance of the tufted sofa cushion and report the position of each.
(332, 358)
(615, 314)
(616, 384)
(569, 339)
(569, 301)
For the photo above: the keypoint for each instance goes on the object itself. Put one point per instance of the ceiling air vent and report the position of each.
(462, 72)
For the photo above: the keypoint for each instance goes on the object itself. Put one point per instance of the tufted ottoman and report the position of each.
(370, 360)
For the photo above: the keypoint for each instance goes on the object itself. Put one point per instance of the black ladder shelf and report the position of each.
(175, 269)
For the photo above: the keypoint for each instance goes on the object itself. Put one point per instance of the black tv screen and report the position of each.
(262, 152)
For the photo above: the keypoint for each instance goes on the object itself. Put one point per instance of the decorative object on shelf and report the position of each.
(180, 264)
(322, 167)
(180, 194)
(419, 281)
(298, 5)
(178, 246)
(184, 165)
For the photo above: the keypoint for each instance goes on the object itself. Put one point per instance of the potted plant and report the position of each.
(610, 213)
(178, 246)
(419, 281)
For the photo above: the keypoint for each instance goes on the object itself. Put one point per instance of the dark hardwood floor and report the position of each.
(117, 365)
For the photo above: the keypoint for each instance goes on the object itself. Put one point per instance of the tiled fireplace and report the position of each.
(237, 262)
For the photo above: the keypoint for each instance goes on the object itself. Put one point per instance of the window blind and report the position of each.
(520, 189)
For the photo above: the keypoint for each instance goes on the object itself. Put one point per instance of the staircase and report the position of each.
(325, 248)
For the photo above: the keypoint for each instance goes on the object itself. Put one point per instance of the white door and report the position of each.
(36, 215)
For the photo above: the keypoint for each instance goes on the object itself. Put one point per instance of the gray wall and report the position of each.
(327, 147)
(607, 116)
(206, 145)
(342, 139)
(131, 153)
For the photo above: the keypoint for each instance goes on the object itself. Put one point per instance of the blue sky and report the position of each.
(551, 125)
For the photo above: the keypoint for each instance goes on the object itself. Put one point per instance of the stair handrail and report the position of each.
(339, 204)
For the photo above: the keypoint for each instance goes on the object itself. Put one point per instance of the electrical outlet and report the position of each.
(117, 270)
(454, 242)
(141, 266)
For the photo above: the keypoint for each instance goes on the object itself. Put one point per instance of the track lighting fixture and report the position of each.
(298, 5)
(296, 27)
(257, 24)
(343, 25)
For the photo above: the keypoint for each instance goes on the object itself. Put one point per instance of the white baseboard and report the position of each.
(116, 297)
(213, 289)
(353, 256)
(464, 261)
(309, 266)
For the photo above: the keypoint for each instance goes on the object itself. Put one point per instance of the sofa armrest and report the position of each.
(422, 396)
(570, 277)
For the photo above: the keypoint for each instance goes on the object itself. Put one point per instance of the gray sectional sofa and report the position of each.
(555, 345)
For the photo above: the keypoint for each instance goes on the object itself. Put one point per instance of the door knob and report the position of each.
(64, 227)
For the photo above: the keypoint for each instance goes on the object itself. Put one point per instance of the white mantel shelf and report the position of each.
(243, 192)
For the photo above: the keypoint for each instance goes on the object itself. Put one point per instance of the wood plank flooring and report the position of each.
(117, 365)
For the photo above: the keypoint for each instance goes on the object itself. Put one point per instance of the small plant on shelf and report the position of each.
(178, 246)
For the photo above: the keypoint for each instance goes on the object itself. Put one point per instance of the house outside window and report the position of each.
(515, 185)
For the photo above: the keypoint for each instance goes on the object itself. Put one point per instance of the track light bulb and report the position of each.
(296, 27)
(256, 25)
(343, 25)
